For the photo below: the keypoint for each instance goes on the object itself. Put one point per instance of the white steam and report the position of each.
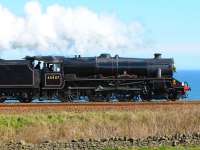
(66, 31)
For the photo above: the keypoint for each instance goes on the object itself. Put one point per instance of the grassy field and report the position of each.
(39, 126)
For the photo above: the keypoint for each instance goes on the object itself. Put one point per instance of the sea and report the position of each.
(192, 77)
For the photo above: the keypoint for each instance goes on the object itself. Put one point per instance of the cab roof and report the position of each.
(48, 59)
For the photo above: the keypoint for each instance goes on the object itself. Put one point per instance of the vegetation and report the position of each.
(39, 126)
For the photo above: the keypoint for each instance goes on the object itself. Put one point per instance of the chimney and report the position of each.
(157, 56)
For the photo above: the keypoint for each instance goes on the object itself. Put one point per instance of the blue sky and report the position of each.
(173, 27)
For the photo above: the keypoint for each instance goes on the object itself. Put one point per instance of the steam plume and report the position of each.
(67, 31)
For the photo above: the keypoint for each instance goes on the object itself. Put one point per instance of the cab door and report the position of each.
(53, 76)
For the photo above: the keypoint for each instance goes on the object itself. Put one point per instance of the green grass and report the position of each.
(14, 122)
(58, 125)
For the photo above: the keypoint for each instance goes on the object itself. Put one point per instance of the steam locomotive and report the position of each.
(102, 78)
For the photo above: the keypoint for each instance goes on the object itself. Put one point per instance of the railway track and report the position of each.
(95, 106)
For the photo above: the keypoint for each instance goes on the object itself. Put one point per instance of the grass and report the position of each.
(56, 125)
(161, 148)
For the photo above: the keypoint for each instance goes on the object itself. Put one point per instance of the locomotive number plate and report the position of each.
(53, 79)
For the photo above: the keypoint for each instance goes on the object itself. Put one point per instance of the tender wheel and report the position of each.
(25, 98)
(2, 99)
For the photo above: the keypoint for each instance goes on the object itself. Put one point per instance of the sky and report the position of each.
(130, 28)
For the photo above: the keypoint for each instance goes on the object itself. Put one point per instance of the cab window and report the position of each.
(53, 67)
(56, 67)
(38, 64)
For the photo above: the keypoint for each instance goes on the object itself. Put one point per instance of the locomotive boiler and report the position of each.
(113, 66)
(101, 78)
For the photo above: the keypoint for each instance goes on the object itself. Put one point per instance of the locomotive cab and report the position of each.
(51, 71)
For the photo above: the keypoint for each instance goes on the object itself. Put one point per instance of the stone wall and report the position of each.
(81, 144)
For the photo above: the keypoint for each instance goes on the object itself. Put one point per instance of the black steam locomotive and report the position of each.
(102, 78)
